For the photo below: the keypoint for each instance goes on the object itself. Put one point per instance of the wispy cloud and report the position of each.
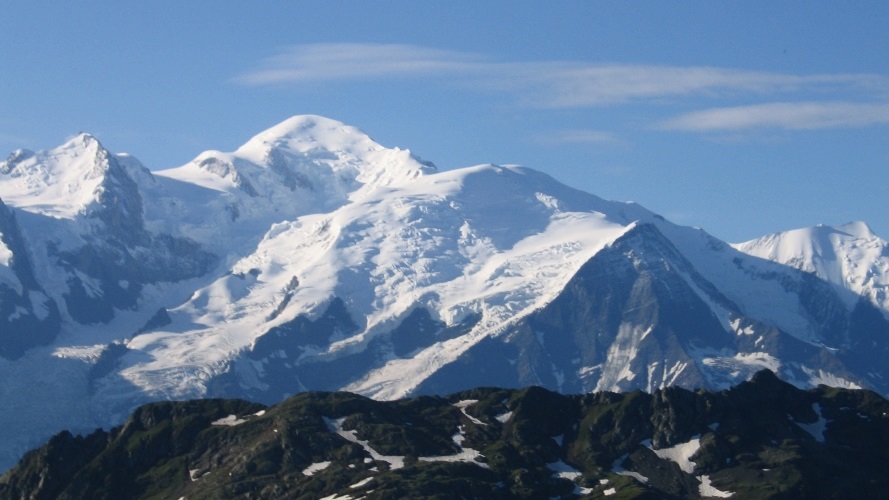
(573, 84)
(785, 115)
(355, 61)
(579, 137)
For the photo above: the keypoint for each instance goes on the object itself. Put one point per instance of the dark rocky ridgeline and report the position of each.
(761, 439)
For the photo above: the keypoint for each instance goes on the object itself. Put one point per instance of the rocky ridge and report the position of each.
(761, 439)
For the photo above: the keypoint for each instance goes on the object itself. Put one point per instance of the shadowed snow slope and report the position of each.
(314, 258)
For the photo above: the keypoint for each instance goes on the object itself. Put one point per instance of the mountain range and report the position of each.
(313, 258)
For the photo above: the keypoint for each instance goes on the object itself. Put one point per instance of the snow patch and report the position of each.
(680, 453)
(464, 455)
(88, 354)
(707, 490)
(667, 377)
(564, 471)
(361, 483)
(817, 428)
(462, 405)
(315, 468)
(820, 377)
(618, 468)
(336, 426)
(724, 370)
(503, 417)
(5, 253)
(621, 353)
(229, 421)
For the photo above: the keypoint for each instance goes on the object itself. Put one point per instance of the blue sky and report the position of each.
(743, 118)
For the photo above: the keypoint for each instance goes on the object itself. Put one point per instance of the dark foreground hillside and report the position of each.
(761, 439)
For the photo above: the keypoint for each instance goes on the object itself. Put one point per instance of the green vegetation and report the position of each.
(762, 439)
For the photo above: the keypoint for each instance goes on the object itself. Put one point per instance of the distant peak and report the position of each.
(325, 139)
(81, 152)
(858, 229)
(819, 232)
(82, 140)
(305, 132)
(304, 122)
(855, 229)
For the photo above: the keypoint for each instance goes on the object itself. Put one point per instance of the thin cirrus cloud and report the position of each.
(356, 61)
(573, 84)
(578, 136)
(785, 115)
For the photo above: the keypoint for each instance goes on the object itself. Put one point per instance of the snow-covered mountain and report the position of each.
(850, 256)
(314, 258)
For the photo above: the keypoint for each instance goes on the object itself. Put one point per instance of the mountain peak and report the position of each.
(297, 124)
(60, 182)
(304, 133)
(809, 241)
(328, 158)
(858, 229)
(850, 255)
(82, 140)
